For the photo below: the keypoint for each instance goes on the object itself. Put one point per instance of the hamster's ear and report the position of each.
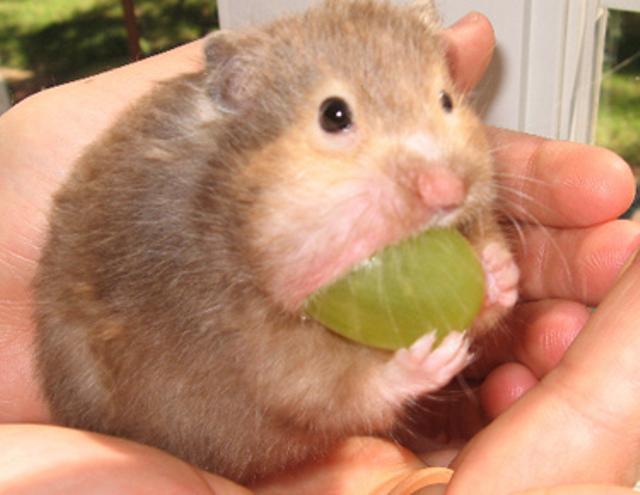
(233, 61)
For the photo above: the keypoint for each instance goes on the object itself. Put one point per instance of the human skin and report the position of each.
(572, 258)
(581, 419)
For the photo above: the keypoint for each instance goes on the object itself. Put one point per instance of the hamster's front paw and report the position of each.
(501, 277)
(421, 369)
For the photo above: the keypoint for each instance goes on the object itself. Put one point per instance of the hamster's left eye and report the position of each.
(446, 101)
(335, 115)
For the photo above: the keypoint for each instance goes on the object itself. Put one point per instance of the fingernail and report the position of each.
(425, 481)
(634, 249)
(438, 489)
(627, 264)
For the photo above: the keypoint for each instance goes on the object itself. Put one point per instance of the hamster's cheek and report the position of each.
(322, 208)
(308, 235)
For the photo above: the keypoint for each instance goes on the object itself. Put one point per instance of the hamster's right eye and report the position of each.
(446, 101)
(335, 115)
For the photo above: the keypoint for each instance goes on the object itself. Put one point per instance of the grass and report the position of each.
(62, 40)
(619, 115)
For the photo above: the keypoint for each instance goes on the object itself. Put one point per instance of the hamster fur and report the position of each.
(169, 292)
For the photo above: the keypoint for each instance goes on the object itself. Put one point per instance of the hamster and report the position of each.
(169, 294)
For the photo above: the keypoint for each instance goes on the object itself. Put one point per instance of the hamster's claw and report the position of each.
(501, 276)
(421, 369)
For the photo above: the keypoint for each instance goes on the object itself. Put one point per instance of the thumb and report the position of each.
(469, 43)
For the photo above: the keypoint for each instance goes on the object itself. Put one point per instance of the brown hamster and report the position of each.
(169, 293)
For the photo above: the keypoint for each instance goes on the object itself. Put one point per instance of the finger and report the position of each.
(602, 365)
(542, 332)
(469, 44)
(558, 183)
(535, 334)
(505, 385)
(20, 396)
(545, 331)
(580, 419)
(358, 466)
(57, 461)
(577, 264)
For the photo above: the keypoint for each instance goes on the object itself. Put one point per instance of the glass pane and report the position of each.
(619, 112)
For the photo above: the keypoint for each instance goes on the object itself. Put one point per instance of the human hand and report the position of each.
(48, 459)
(576, 424)
(39, 459)
(39, 140)
(43, 135)
(580, 423)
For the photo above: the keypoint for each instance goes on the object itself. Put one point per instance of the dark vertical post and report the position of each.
(133, 36)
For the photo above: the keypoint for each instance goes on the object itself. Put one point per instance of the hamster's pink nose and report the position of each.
(440, 188)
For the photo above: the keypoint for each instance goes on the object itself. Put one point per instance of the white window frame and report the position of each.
(546, 75)
(577, 68)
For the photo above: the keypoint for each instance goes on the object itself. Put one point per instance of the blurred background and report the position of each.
(48, 42)
(618, 124)
(619, 110)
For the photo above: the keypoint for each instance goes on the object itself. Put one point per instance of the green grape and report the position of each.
(431, 282)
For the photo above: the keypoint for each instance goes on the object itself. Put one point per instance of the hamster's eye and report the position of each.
(446, 101)
(335, 115)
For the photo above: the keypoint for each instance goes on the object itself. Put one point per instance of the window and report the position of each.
(618, 123)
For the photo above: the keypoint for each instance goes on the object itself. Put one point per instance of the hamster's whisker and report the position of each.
(522, 178)
(517, 227)
(466, 389)
(523, 197)
(553, 243)
(504, 146)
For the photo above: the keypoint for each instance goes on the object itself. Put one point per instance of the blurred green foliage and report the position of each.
(61, 40)
(622, 46)
(619, 111)
(619, 116)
